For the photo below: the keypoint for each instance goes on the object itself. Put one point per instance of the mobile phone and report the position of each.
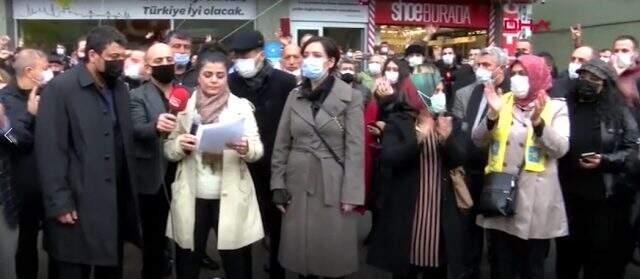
(586, 155)
(285, 26)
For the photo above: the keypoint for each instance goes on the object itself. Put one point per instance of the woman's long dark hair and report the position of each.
(398, 101)
(403, 69)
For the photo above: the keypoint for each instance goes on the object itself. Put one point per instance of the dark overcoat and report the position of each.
(76, 155)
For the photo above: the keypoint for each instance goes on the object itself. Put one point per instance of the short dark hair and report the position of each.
(604, 49)
(207, 56)
(627, 37)
(330, 49)
(178, 34)
(100, 37)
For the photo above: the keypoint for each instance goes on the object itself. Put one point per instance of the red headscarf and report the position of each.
(539, 78)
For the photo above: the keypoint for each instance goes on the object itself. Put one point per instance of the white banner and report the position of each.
(328, 10)
(134, 9)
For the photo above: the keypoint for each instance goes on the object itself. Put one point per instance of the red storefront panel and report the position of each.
(443, 13)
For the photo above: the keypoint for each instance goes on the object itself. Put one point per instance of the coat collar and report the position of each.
(84, 76)
(336, 102)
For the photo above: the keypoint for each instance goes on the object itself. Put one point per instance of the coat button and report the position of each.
(106, 133)
(504, 165)
(108, 179)
(508, 142)
(107, 157)
(105, 112)
(521, 144)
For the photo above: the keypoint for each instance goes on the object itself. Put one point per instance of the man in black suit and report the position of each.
(151, 120)
(471, 106)
(84, 150)
(267, 88)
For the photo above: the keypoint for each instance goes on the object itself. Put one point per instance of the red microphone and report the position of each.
(178, 99)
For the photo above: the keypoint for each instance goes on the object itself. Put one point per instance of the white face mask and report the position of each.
(295, 72)
(573, 68)
(483, 75)
(624, 60)
(415, 61)
(246, 67)
(46, 76)
(448, 59)
(438, 103)
(60, 51)
(392, 77)
(605, 59)
(520, 86)
(132, 71)
(384, 50)
(375, 68)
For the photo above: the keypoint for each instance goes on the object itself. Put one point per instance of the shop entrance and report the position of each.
(461, 39)
(347, 35)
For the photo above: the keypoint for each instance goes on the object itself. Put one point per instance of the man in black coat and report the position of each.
(20, 102)
(9, 206)
(151, 123)
(267, 88)
(84, 149)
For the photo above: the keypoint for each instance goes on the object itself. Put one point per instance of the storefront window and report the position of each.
(218, 29)
(461, 39)
(347, 38)
(45, 34)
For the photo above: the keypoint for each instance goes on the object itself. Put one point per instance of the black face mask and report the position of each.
(347, 77)
(164, 73)
(112, 71)
(587, 91)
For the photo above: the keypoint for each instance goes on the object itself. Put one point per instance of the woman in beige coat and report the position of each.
(315, 190)
(526, 132)
(214, 190)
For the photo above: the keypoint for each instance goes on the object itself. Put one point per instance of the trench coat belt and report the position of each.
(324, 157)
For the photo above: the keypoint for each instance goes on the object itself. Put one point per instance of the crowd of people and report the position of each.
(448, 153)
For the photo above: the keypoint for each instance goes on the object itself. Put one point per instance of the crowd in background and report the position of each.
(449, 152)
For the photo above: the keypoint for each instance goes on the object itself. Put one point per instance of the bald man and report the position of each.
(151, 120)
(566, 83)
(291, 60)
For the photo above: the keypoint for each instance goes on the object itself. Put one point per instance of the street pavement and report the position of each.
(133, 263)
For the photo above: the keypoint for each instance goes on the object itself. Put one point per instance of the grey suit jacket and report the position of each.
(463, 95)
(146, 105)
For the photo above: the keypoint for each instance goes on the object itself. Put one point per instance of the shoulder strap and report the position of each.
(324, 142)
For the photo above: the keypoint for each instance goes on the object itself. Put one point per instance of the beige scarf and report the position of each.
(210, 107)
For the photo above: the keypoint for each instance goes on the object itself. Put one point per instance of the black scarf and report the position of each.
(256, 82)
(318, 95)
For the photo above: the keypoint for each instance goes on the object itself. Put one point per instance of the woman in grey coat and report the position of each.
(318, 171)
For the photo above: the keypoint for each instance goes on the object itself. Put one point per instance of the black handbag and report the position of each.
(498, 197)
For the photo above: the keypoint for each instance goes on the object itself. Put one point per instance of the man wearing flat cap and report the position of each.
(267, 88)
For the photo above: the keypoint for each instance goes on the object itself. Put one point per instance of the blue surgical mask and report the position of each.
(313, 68)
(182, 58)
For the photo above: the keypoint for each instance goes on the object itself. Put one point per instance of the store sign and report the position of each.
(328, 10)
(134, 9)
(462, 13)
(516, 24)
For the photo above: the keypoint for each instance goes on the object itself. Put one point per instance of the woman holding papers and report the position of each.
(318, 168)
(214, 190)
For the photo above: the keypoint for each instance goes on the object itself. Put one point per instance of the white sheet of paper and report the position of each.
(213, 138)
